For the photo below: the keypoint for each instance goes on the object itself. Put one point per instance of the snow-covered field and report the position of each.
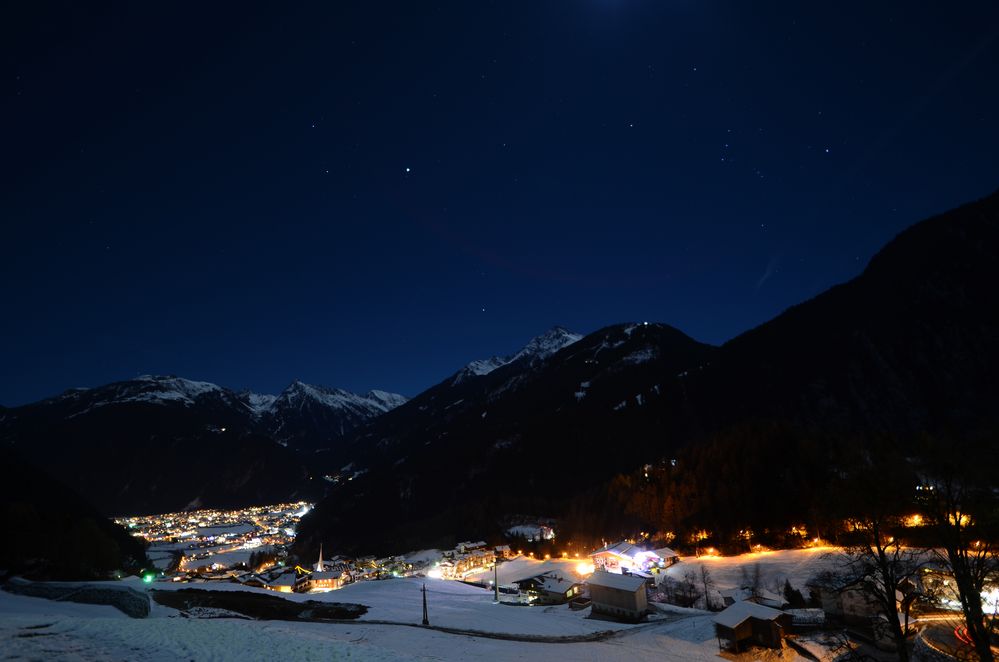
(32, 628)
(795, 565)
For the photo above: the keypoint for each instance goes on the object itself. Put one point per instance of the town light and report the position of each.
(584, 568)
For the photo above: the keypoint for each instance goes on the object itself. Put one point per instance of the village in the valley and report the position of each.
(790, 603)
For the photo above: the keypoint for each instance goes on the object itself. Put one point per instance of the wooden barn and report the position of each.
(750, 623)
(622, 596)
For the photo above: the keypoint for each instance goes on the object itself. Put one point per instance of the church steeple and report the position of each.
(319, 565)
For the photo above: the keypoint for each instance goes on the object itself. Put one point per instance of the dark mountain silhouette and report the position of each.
(51, 532)
(904, 351)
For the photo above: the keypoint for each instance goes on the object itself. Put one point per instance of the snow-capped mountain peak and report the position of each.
(298, 394)
(549, 342)
(538, 348)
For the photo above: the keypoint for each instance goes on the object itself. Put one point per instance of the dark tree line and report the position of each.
(760, 482)
(51, 533)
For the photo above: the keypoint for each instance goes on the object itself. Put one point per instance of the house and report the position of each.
(624, 556)
(503, 552)
(618, 595)
(750, 623)
(852, 603)
(614, 557)
(550, 589)
(667, 555)
(251, 579)
(283, 583)
(760, 596)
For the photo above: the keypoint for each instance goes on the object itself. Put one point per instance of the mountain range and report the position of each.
(905, 350)
(163, 443)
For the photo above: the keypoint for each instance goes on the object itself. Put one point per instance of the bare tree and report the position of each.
(752, 580)
(686, 592)
(965, 517)
(876, 563)
(881, 568)
(708, 584)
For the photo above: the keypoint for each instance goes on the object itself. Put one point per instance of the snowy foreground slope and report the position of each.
(32, 628)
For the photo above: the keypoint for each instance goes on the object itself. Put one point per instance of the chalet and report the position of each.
(612, 558)
(283, 583)
(622, 596)
(667, 555)
(503, 552)
(749, 623)
(851, 603)
(624, 557)
(550, 589)
(760, 596)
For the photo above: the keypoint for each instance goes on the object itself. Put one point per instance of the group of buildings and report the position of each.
(468, 557)
(213, 543)
(326, 574)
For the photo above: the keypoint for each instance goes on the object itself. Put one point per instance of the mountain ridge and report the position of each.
(904, 350)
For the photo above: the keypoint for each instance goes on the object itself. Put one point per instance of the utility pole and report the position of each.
(496, 579)
(426, 621)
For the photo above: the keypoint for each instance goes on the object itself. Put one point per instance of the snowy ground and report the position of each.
(32, 628)
(795, 565)
(524, 567)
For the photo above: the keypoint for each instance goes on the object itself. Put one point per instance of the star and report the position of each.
(407, 169)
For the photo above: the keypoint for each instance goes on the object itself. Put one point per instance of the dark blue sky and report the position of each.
(370, 194)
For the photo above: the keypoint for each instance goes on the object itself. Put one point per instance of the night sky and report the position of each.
(371, 194)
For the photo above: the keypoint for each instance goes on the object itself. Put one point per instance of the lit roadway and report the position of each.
(947, 633)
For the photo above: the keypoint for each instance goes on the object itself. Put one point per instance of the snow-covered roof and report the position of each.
(734, 615)
(614, 580)
(665, 553)
(620, 548)
(325, 575)
(555, 584)
(287, 579)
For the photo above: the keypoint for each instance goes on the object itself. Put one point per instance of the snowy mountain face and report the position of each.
(147, 389)
(299, 395)
(97, 434)
(539, 348)
(257, 402)
(311, 418)
(546, 344)
(302, 411)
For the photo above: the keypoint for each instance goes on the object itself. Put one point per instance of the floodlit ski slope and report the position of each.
(795, 565)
